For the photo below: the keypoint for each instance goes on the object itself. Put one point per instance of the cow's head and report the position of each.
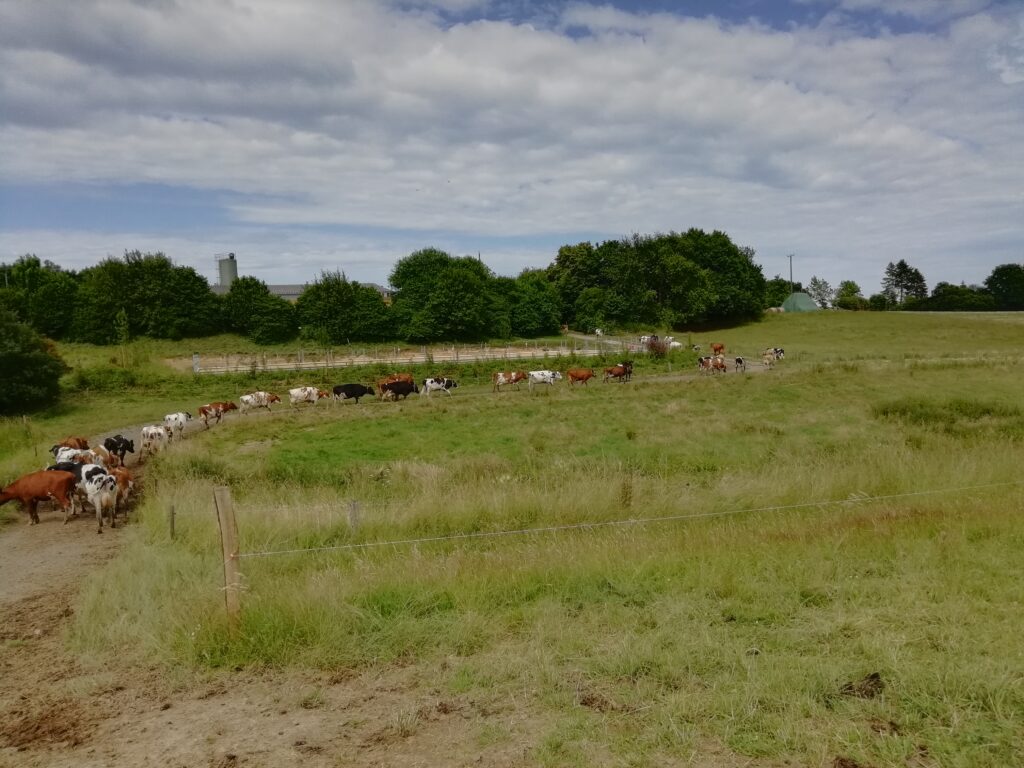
(230, 407)
(272, 398)
(320, 394)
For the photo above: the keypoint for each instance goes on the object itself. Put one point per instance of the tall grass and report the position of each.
(639, 643)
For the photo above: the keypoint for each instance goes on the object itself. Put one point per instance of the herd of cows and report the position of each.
(96, 475)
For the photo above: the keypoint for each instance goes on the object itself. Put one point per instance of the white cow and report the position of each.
(542, 377)
(306, 395)
(176, 422)
(154, 438)
(257, 400)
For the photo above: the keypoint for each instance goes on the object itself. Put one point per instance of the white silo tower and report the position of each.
(227, 269)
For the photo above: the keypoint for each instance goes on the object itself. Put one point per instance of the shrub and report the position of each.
(30, 368)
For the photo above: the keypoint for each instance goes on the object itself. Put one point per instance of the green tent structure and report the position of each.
(800, 302)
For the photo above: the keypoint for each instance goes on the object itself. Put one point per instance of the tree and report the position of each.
(953, 298)
(40, 294)
(819, 290)
(901, 281)
(342, 311)
(1006, 284)
(30, 368)
(778, 289)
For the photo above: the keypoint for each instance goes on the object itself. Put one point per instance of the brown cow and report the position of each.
(215, 411)
(74, 442)
(717, 349)
(623, 372)
(39, 486)
(501, 378)
(579, 374)
(718, 364)
(125, 484)
(390, 378)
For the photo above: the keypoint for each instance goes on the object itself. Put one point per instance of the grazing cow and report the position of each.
(39, 486)
(392, 390)
(257, 400)
(717, 349)
(306, 395)
(675, 345)
(718, 364)
(438, 383)
(215, 411)
(542, 377)
(119, 446)
(704, 364)
(779, 352)
(352, 392)
(501, 378)
(768, 358)
(623, 372)
(176, 422)
(582, 375)
(740, 365)
(154, 439)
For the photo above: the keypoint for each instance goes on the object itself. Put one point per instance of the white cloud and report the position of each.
(363, 115)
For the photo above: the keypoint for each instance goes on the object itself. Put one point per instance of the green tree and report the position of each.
(819, 290)
(342, 311)
(40, 294)
(30, 368)
(953, 298)
(274, 320)
(241, 301)
(1006, 284)
(901, 281)
(778, 289)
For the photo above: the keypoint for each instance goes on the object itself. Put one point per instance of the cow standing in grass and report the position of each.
(39, 486)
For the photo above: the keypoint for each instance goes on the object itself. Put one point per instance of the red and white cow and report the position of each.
(215, 411)
(257, 400)
(500, 378)
(306, 395)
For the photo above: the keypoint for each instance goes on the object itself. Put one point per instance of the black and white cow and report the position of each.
(119, 446)
(444, 384)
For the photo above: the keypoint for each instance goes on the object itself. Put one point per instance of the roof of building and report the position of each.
(800, 302)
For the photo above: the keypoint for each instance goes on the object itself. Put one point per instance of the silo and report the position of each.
(227, 269)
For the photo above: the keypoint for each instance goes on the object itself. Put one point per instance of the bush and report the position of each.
(30, 368)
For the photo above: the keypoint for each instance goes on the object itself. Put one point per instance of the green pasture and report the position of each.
(734, 626)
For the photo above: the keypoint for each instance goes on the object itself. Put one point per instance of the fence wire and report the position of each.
(620, 523)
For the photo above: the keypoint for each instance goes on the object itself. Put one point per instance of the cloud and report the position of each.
(427, 122)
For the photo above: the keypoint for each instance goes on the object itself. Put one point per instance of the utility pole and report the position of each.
(790, 273)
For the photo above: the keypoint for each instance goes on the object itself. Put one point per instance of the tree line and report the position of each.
(904, 288)
(677, 280)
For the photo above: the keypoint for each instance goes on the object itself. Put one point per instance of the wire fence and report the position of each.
(551, 529)
(303, 359)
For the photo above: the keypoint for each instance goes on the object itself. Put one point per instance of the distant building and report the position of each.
(227, 273)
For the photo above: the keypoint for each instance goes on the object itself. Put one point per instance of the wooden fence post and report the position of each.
(229, 545)
(170, 521)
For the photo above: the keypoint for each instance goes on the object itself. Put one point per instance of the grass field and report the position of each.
(735, 624)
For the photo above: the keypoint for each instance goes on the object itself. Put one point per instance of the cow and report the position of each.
(154, 438)
(542, 377)
(84, 473)
(392, 390)
(623, 371)
(101, 490)
(704, 364)
(352, 392)
(407, 377)
(740, 365)
(438, 384)
(582, 375)
(119, 446)
(599, 332)
(176, 422)
(257, 400)
(39, 486)
(717, 349)
(215, 411)
(61, 454)
(501, 378)
(675, 345)
(79, 443)
(125, 484)
(718, 364)
(768, 358)
(306, 395)
(779, 352)
(695, 348)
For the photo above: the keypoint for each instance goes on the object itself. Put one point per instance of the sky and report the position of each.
(315, 135)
